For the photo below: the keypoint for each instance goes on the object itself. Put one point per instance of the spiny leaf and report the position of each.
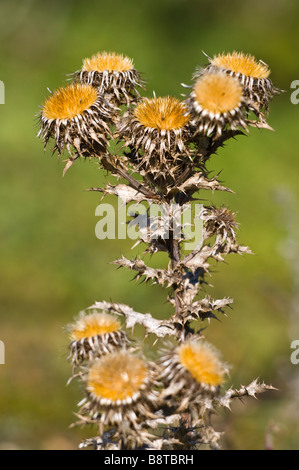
(152, 325)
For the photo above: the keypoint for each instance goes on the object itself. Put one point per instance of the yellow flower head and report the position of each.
(157, 128)
(94, 324)
(161, 113)
(94, 335)
(218, 93)
(217, 103)
(77, 118)
(240, 63)
(253, 76)
(68, 102)
(112, 74)
(116, 378)
(107, 61)
(203, 363)
(190, 372)
(119, 393)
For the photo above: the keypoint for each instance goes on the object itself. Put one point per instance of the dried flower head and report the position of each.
(111, 73)
(220, 221)
(156, 125)
(76, 117)
(157, 130)
(190, 372)
(119, 392)
(217, 102)
(163, 114)
(94, 335)
(242, 64)
(253, 75)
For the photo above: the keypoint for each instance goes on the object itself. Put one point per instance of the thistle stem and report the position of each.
(175, 257)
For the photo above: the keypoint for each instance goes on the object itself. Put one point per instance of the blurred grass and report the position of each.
(52, 265)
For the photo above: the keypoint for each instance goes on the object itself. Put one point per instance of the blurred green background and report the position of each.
(52, 265)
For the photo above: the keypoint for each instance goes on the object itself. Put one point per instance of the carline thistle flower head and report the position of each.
(217, 102)
(76, 117)
(252, 74)
(113, 74)
(156, 126)
(119, 391)
(191, 371)
(157, 130)
(93, 335)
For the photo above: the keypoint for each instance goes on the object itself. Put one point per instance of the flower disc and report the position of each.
(116, 377)
(202, 362)
(107, 61)
(244, 64)
(218, 93)
(68, 102)
(93, 325)
(161, 113)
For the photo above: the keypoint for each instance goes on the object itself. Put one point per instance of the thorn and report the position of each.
(69, 163)
(208, 57)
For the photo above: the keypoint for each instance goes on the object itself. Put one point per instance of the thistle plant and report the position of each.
(161, 149)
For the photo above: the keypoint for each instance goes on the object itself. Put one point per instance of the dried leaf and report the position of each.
(204, 308)
(152, 325)
(125, 192)
(250, 390)
(199, 181)
(159, 276)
